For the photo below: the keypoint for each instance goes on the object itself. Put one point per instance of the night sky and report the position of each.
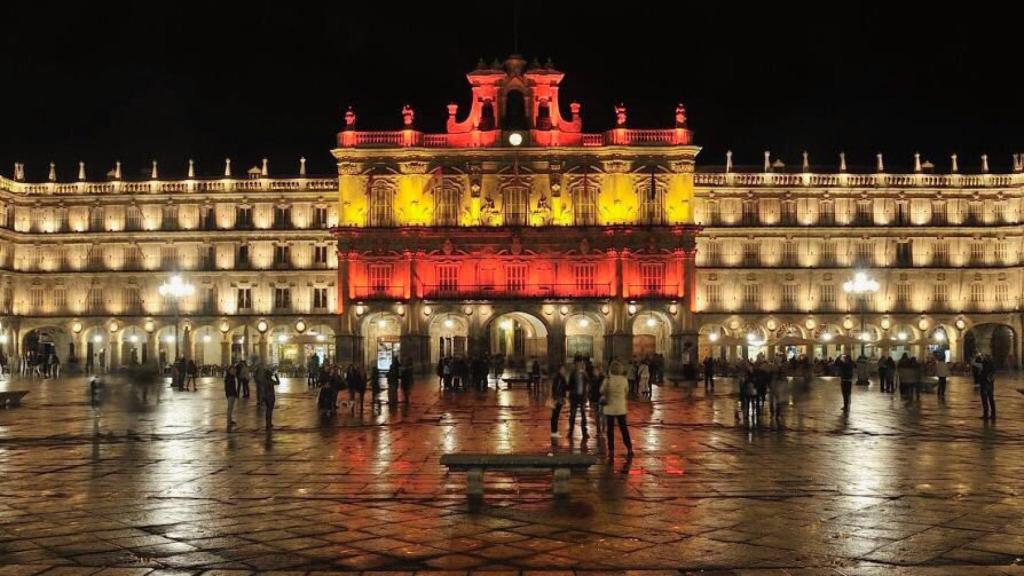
(132, 82)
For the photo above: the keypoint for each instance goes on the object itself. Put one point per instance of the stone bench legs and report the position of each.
(475, 482)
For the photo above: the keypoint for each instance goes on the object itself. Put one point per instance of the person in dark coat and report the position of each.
(846, 367)
(231, 393)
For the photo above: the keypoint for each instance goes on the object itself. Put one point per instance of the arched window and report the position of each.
(515, 112)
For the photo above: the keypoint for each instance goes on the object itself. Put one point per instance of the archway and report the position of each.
(448, 335)
(515, 117)
(96, 355)
(939, 343)
(44, 341)
(997, 340)
(584, 336)
(133, 346)
(382, 342)
(652, 333)
(903, 339)
(519, 337)
(206, 342)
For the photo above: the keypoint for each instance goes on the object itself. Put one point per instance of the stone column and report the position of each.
(225, 350)
(115, 351)
(263, 348)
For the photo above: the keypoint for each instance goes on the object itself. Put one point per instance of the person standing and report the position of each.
(614, 390)
(942, 373)
(265, 389)
(987, 387)
(578, 399)
(312, 369)
(192, 371)
(709, 373)
(394, 371)
(405, 378)
(559, 386)
(643, 378)
(231, 393)
(242, 373)
(846, 367)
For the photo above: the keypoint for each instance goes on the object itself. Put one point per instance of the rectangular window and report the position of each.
(827, 213)
(320, 298)
(713, 295)
(864, 214)
(96, 300)
(827, 296)
(584, 274)
(977, 253)
(320, 217)
(282, 298)
(244, 298)
(788, 217)
(36, 299)
(97, 220)
(751, 256)
(789, 257)
(282, 255)
(282, 217)
(977, 293)
(320, 255)
(168, 257)
(1000, 252)
(132, 301)
(828, 253)
(789, 296)
(133, 218)
(584, 206)
(940, 295)
(712, 254)
(170, 218)
(380, 278)
(447, 202)
(514, 205)
(941, 257)
(60, 298)
(242, 261)
(243, 218)
(1002, 296)
(208, 218)
(865, 254)
(652, 204)
(448, 277)
(515, 277)
(751, 296)
(382, 212)
(652, 277)
(903, 296)
(750, 216)
(939, 214)
(714, 213)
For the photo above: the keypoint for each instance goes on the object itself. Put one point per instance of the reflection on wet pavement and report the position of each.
(161, 485)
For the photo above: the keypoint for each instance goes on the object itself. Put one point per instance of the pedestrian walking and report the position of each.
(614, 391)
(846, 367)
(559, 388)
(231, 393)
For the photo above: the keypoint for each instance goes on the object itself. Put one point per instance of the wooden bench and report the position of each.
(474, 465)
(12, 398)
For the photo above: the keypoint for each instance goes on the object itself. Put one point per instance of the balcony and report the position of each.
(653, 291)
(377, 292)
(497, 292)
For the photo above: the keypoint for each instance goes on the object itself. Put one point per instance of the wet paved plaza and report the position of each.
(162, 487)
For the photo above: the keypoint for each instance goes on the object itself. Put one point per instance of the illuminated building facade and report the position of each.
(513, 232)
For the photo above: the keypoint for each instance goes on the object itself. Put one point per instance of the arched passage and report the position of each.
(46, 340)
(448, 336)
(652, 333)
(518, 337)
(997, 340)
(382, 340)
(584, 336)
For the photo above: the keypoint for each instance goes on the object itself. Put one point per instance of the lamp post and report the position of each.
(175, 289)
(861, 286)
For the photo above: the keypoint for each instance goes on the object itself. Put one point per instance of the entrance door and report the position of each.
(388, 349)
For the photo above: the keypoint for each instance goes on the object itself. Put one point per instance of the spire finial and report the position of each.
(767, 161)
(302, 166)
(807, 162)
(154, 174)
(955, 168)
(227, 167)
(264, 171)
(53, 173)
(728, 161)
(984, 163)
(81, 170)
(917, 162)
(842, 161)
(879, 163)
(191, 168)
(19, 171)
(117, 170)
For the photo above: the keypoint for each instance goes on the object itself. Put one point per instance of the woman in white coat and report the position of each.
(643, 376)
(614, 391)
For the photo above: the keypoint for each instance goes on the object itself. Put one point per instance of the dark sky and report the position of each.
(144, 80)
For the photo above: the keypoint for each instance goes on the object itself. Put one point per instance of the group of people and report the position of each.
(461, 373)
(183, 374)
(38, 364)
(585, 386)
(331, 380)
(236, 384)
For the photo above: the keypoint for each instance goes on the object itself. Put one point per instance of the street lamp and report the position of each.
(861, 286)
(174, 290)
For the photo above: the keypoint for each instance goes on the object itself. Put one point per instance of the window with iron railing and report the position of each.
(940, 296)
(380, 278)
(448, 277)
(170, 218)
(750, 214)
(977, 294)
(95, 299)
(789, 254)
(584, 206)
(1002, 297)
(939, 217)
(788, 217)
(828, 254)
(320, 256)
(97, 219)
(903, 296)
(243, 299)
(133, 219)
(940, 257)
(447, 203)
(714, 211)
(131, 300)
(242, 257)
(751, 254)
(652, 205)
(282, 218)
(168, 257)
(713, 296)
(95, 261)
(977, 254)
(712, 253)
(751, 296)
(826, 213)
(515, 277)
(282, 256)
(863, 216)
(60, 298)
(652, 277)
(35, 299)
(789, 296)
(584, 275)
(209, 218)
(902, 214)
(1000, 252)
(827, 297)
(865, 254)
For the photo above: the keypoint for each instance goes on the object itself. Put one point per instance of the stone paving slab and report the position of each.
(134, 488)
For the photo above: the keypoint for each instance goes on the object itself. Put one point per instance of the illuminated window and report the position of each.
(789, 257)
(282, 255)
(712, 253)
(282, 217)
(60, 298)
(95, 258)
(828, 253)
(168, 257)
(1000, 252)
(380, 278)
(652, 277)
(97, 219)
(585, 277)
(35, 298)
(751, 254)
(939, 213)
(584, 205)
(96, 300)
(750, 215)
(131, 300)
(903, 296)
(865, 254)
(514, 205)
(448, 277)
(447, 202)
(319, 298)
(382, 211)
(282, 298)
(977, 253)
(788, 217)
(940, 295)
(170, 218)
(133, 257)
(826, 213)
(133, 218)
(244, 299)
(515, 277)
(865, 216)
(977, 293)
(751, 296)
(941, 257)
(1002, 296)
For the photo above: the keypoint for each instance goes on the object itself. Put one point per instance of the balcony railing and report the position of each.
(377, 292)
(653, 290)
(496, 291)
